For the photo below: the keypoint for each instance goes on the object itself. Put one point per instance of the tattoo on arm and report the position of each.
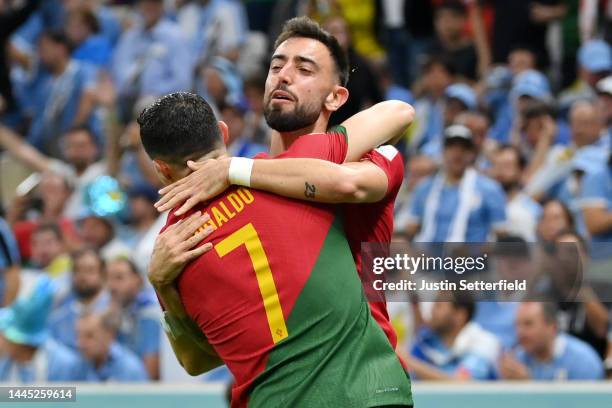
(310, 190)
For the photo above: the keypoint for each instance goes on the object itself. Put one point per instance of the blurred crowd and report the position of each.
(511, 143)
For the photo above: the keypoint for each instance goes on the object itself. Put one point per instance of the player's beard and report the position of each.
(303, 115)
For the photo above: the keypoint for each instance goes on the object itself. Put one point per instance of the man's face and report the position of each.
(449, 24)
(604, 103)
(442, 317)
(457, 157)
(585, 124)
(452, 109)
(49, 51)
(302, 75)
(79, 149)
(87, 276)
(123, 283)
(521, 60)
(151, 11)
(533, 331)
(142, 209)
(93, 340)
(553, 221)
(506, 169)
(46, 246)
(436, 79)
(96, 232)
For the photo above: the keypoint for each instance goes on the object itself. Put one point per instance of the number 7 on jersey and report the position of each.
(248, 237)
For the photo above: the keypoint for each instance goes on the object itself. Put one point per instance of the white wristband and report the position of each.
(240, 171)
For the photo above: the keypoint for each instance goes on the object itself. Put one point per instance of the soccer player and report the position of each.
(305, 85)
(277, 298)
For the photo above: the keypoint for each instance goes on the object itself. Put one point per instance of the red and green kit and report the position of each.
(279, 299)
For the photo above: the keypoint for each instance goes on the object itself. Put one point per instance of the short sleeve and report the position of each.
(389, 160)
(594, 191)
(331, 146)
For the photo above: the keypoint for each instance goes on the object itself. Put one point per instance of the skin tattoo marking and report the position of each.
(310, 190)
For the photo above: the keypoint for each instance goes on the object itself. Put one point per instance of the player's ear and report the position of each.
(336, 98)
(163, 171)
(224, 131)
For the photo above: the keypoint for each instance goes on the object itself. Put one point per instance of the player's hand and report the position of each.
(209, 179)
(176, 247)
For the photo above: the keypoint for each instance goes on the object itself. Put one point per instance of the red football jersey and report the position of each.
(279, 300)
(368, 222)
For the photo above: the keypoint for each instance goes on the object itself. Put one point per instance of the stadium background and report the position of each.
(527, 74)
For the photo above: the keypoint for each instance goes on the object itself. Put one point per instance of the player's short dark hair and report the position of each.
(178, 127)
(59, 37)
(51, 227)
(304, 27)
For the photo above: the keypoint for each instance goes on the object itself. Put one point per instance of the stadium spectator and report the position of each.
(586, 127)
(522, 211)
(83, 30)
(479, 123)
(214, 27)
(52, 194)
(102, 358)
(604, 89)
(240, 143)
(87, 294)
(49, 252)
(9, 264)
(556, 218)
(450, 19)
(581, 312)
(151, 59)
(10, 20)
(453, 346)
(27, 353)
(521, 59)
(544, 352)
(139, 313)
(59, 96)
(596, 198)
(81, 167)
(458, 98)
(595, 63)
(363, 84)
(457, 204)
(437, 76)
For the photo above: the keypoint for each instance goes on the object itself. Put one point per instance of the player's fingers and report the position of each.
(192, 226)
(173, 198)
(194, 253)
(176, 229)
(194, 165)
(188, 205)
(195, 239)
(171, 186)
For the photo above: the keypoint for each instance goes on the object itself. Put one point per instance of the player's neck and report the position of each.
(288, 138)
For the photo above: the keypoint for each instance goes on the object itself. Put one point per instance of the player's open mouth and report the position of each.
(281, 96)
